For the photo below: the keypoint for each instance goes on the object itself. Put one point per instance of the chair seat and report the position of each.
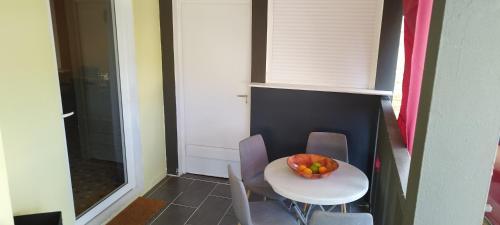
(270, 213)
(260, 186)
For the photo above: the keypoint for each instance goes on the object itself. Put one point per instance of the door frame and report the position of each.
(122, 11)
(125, 54)
(179, 87)
(179, 78)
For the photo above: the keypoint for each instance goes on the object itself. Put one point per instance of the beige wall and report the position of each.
(5, 204)
(30, 106)
(30, 111)
(149, 77)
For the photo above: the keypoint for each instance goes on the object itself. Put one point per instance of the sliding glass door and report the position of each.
(89, 76)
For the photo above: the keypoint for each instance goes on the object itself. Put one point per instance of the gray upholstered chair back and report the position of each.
(241, 206)
(326, 218)
(253, 157)
(329, 144)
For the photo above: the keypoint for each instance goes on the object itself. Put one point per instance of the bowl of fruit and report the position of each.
(312, 166)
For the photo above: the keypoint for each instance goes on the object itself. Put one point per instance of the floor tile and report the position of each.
(206, 178)
(210, 212)
(195, 193)
(254, 197)
(154, 188)
(174, 215)
(170, 189)
(229, 218)
(355, 207)
(358, 207)
(222, 190)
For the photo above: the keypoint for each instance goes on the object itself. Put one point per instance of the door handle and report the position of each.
(243, 96)
(66, 115)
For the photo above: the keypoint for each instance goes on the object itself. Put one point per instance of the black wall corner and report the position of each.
(169, 101)
(259, 40)
(389, 45)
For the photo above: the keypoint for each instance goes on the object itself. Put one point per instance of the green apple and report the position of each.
(314, 168)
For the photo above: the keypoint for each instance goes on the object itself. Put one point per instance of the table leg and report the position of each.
(308, 213)
(299, 212)
(331, 208)
(344, 208)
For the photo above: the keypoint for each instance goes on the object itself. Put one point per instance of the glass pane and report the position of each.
(89, 81)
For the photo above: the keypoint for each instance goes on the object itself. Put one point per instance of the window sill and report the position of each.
(322, 89)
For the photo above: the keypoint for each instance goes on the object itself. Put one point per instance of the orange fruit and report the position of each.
(307, 172)
(323, 170)
(302, 167)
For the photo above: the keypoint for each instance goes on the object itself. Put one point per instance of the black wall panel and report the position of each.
(286, 117)
(167, 48)
(389, 45)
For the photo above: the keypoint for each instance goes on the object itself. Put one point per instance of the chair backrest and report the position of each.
(239, 198)
(327, 218)
(253, 157)
(329, 144)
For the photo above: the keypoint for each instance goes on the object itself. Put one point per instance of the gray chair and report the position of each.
(326, 218)
(329, 144)
(256, 213)
(253, 161)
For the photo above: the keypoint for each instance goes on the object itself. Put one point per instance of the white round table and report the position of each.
(346, 184)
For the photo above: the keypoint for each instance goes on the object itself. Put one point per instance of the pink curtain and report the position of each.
(417, 17)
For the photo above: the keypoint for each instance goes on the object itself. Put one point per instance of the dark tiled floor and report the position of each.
(211, 212)
(222, 190)
(200, 200)
(229, 219)
(194, 200)
(206, 178)
(174, 215)
(195, 194)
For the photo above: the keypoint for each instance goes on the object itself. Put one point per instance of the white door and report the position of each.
(214, 42)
